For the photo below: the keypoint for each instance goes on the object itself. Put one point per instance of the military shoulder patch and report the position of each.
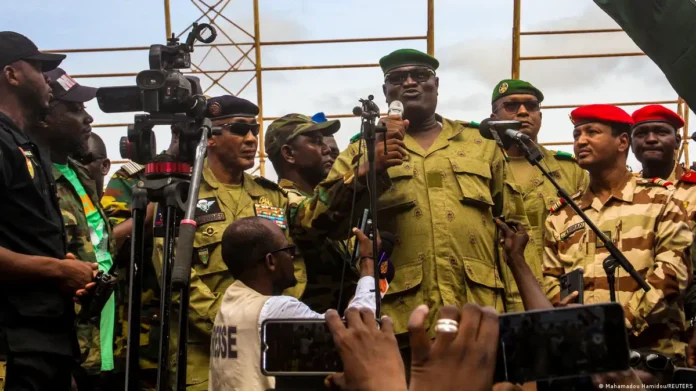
(208, 211)
(654, 182)
(689, 177)
(132, 168)
(572, 229)
(560, 155)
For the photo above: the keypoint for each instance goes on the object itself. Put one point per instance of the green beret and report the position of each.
(407, 57)
(513, 86)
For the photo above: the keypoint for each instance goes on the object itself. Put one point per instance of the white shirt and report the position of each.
(284, 307)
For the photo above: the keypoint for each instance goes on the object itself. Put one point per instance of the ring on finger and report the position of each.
(446, 326)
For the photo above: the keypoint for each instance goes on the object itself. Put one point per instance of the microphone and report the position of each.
(505, 130)
(396, 107)
(693, 136)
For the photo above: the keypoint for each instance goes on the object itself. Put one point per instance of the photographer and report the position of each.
(37, 276)
(260, 258)
(65, 132)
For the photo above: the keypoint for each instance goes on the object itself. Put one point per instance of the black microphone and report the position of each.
(506, 131)
(693, 136)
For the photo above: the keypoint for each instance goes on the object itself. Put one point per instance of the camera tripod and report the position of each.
(166, 183)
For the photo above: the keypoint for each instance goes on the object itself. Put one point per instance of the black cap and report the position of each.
(15, 47)
(63, 87)
(227, 106)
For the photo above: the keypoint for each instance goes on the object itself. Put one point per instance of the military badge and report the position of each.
(30, 165)
(598, 241)
(270, 212)
(203, 255)
(503, 87)
(215, 109)
(265, 202)
(572, 229)
(208, 211)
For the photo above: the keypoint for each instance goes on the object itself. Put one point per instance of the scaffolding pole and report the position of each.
(259, 88)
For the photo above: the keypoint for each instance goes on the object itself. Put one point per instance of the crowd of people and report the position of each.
(478, 232)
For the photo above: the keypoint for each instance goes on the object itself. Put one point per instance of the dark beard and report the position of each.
(31, 101)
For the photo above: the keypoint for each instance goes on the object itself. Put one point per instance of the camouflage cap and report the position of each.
(285, 129)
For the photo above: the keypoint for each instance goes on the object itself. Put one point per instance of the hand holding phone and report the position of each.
(572, 282)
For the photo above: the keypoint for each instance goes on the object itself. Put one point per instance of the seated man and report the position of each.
(260, 259)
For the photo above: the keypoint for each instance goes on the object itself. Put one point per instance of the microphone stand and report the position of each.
(615, 258)
(369, 114)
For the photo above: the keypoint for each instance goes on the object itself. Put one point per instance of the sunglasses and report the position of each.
(418, 75)
(239, 129)
(653, 361)
(88, 158)
(513, 107)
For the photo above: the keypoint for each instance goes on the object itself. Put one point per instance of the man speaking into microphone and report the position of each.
(440, 201)
(520, 101)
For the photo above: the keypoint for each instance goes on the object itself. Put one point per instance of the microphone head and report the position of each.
(396, 107)
(693, 136)
(357, 111)
(485, 129)
(504, 125)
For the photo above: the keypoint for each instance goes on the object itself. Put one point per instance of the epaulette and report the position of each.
(355, 138)
(132, 168)
(560, 155)
(468, 124)
(269, 184)
(689, 177)
(557, 206)
(654, 182)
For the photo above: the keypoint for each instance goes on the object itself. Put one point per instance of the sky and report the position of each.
(472, 42)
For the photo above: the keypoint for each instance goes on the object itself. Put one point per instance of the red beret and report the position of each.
(657, 113)
(599, 113)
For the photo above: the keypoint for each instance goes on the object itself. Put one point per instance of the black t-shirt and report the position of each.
(37, 316)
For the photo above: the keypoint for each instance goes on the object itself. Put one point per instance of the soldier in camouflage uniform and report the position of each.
(520, 101)
(66, 131)
(439, 202)
(227, 193)
(655, 140)
(295, 145)
(644, 221)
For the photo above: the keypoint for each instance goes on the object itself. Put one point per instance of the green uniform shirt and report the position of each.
(539, 194)
(215, 210)
(440, 204)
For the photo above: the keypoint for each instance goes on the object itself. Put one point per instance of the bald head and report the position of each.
(246, 241)
(95, 160)
(96, 146)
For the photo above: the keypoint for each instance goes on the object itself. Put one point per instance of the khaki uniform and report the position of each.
(539, 194)
(324, 260)
(209, 276)
(440, 205)
(649, 227)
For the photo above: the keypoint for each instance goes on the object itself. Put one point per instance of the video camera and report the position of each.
(166, 94)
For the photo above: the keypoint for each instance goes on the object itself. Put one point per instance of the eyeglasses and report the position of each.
(653, 361)
(418, 75)
(240, 128)
(513, 107)
(289, 249)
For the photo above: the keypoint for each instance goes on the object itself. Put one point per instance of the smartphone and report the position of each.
(572, 282)
(364, 225)
(684, 376)
(301, 347)
(561, 343)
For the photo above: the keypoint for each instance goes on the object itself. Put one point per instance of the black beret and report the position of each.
(227, 106)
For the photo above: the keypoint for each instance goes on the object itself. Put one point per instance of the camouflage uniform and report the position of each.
(542, 195)
(116, 202)
(440, 205)
(325, 261)
(209, 276)
(648, 226)
(77, 235)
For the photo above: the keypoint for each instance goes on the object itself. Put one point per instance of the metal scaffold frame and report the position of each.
(517, 58)
(216, 10)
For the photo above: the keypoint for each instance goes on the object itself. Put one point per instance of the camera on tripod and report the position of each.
(166, 94)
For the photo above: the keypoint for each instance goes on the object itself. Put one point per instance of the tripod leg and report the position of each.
(135, 289)
(166, 297)
(183, 340)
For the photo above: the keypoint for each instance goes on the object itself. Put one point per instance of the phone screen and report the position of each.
(298, 347)
(562, 343)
